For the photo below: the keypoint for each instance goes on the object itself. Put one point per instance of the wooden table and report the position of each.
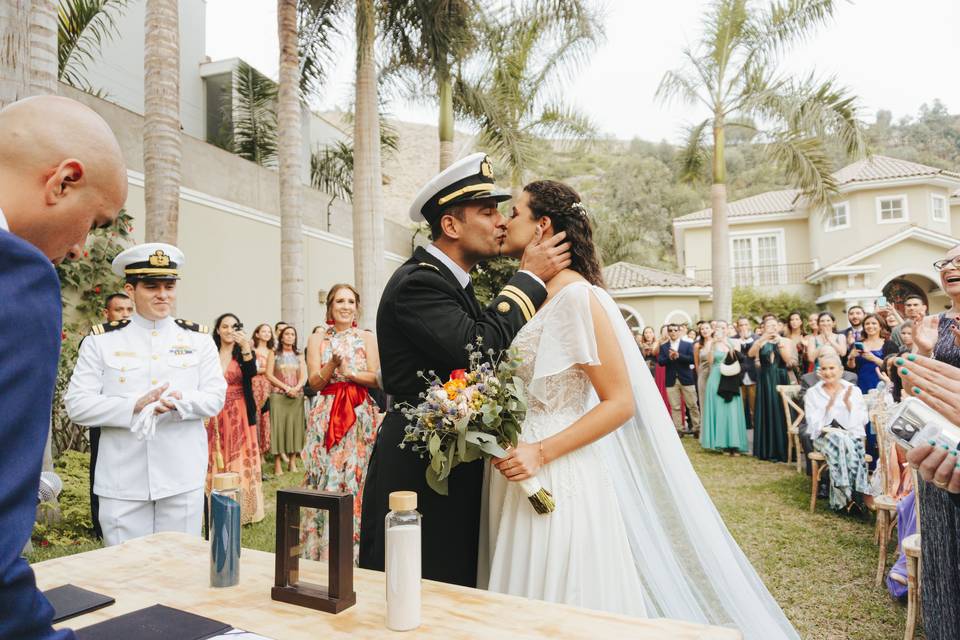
(173, 569)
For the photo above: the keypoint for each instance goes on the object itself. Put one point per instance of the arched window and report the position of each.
(633, 319)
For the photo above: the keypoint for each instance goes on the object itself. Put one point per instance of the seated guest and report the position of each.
(807, 382)
(836, 415)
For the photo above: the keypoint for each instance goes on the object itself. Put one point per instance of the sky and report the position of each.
(893, 54)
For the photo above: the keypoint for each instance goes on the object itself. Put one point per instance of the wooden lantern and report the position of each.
(339, 593)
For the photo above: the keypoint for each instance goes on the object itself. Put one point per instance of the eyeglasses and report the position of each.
(947, 263)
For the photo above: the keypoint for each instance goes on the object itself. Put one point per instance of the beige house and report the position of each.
(889, 222)
(650, 297)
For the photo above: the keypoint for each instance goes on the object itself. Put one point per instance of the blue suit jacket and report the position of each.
(679, 367)
(30, 326)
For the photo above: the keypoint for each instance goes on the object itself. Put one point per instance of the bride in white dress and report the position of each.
(634, 531)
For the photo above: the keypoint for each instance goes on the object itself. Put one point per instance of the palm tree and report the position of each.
(28, 49)
(161, 120)
(289, 142)
(82, 28)
(252, 125)
(368, 246)
(510, 100)
(432, 37)
(733, 74)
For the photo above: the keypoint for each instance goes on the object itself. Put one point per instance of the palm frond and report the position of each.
(679, 85)
(724, 29)
(806, 163)
(318, 28)
(253, 106)
(693, 157)
(82, 28)
(331, 170)
(786, 22)
(559, 121)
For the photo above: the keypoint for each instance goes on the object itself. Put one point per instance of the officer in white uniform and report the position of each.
(156, 483)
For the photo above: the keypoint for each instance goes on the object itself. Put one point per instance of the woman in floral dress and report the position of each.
(232, 434)
(263, 345)
(342, 363)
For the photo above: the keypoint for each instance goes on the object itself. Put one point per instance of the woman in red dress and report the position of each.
(231, 435)
(263, 345)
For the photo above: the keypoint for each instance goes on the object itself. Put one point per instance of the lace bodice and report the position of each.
(566, 392)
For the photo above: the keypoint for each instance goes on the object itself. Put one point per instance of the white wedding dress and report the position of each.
(634, 531)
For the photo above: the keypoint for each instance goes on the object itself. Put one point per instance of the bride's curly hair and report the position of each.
(561, 204)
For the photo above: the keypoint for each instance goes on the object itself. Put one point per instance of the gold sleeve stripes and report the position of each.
(521, 299)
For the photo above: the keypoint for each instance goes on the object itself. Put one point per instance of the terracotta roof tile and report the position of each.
(768, 202)
(623, 275)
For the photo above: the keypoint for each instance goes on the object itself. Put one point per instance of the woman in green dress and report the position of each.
(287, 370)
(776, 357)
(724, 427)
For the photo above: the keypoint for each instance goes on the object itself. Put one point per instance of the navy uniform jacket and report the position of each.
(424, 323)
(30, 326)
(679, 367)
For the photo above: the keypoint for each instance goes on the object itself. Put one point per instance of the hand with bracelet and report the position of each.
(522, 461)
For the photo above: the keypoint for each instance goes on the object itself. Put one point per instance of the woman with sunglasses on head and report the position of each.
(232, 434)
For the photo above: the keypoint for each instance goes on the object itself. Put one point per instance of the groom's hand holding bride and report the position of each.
(522, 461)
(546, 258)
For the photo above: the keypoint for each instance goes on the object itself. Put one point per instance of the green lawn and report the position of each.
(819, 567)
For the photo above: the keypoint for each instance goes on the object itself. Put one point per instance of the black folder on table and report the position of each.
(154, 623)
(70, 601)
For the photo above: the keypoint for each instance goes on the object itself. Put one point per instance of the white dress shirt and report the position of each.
(113, 371)
(3, 221)
(462, 276)
(815, 407)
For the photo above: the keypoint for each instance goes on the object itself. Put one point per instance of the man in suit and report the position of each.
(677, 356)
(61, 175)
(428, 315)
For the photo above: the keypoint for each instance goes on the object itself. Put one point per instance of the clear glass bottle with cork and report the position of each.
(403, 562)
(224, 524)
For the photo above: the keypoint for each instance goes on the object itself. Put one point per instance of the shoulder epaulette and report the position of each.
(100, 329)
(431, 266)
(192, 326)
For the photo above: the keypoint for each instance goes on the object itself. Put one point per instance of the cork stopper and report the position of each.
(226, 481)
(403, 500)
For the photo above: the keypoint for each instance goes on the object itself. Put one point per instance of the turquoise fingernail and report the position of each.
(916, 390)
(904, 372)
(899, 360)
(912, 357)
(931, 442)
(953, 452)
(946, 447)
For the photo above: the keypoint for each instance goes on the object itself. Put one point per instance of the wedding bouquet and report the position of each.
(476, 413)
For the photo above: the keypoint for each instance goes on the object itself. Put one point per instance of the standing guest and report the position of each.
(263, 346)
(906, 335)
(813, 323)
(775, 355)
(287, 371)
(149, 383)
(648, 348)
(660, 374)
(61, 175)
(691, 335)
(915, 309)
(836, 414)
(855, 316)
(232, 433)
(342, 364)
(868, 362)
(280, 326)
(676, 356)
(724, 425)
(825, 339)
(702, 365)
(890, 320)
(795, 334)
(116, 307)
(748, 387)
(937, 383)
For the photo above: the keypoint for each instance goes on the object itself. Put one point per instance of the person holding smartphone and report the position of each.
(776, 356)
(865, 357)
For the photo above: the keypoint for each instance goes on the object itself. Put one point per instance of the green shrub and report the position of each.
(753, 304)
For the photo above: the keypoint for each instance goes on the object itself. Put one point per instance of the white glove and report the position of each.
(145, 424)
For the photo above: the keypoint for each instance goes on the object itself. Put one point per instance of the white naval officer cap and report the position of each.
(150, 261)
(466, 180)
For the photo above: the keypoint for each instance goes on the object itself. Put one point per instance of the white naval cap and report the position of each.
(153, 261)
(468, 179)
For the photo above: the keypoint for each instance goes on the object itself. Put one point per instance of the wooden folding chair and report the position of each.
(911, 549)
(886, 506)
(792, 417)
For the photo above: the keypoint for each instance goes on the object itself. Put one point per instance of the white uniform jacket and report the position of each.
(116, 368)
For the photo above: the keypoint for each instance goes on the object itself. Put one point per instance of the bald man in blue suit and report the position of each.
(61, 175)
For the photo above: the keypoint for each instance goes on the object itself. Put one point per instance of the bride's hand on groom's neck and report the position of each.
(546, 258)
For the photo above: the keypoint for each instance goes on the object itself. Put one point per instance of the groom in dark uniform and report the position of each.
(428, 315)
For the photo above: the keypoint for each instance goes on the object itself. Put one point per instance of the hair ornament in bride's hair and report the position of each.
(579, 209)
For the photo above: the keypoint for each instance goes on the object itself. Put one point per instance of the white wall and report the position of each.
(118, 69)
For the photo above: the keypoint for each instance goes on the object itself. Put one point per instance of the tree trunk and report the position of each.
(161, 121)
(368, 249)
(720, 230)
(445, 126)
(28, 49)
(289, 144)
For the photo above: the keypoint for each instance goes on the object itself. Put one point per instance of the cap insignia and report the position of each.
(159, 259)
(486, 170)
